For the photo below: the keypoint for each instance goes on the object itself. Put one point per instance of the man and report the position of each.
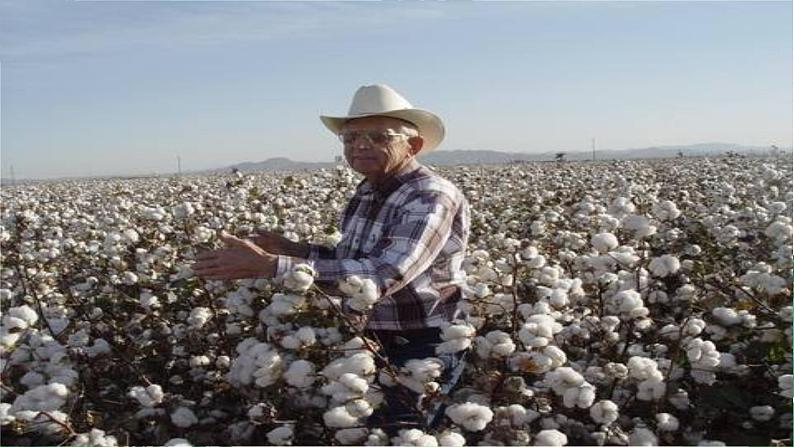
(406, 229)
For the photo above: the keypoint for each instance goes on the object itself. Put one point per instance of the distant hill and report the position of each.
(464, 157)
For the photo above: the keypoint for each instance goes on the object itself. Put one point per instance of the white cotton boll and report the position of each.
(621, 206)
(150, 396)
(642, 368)
(99, 347)
(726, 316)
(780, 230)
(42, 398)
(359, 408)
(377, 437)
(183, 210)
(563, 378)
(469, 415)
(300, 279)
(450, 439)
(280, 435)
(424, 370)
(666, 422)
(551, 437)
(604, 412)
(415, 437)
(497, 344)
(5, 414)
(557, 355)
(581, 396)
(694, 326)
(339, 417)
(178, 442)
(21, 317)
(129, 278)
(651, 389)
(183, 417)
(604, 242)
(679, 399)
(664, 265)
(762, 413)
(199, 317)
(257, 362)
(32, 379)
(785, 383)
(149, 301)
(641, 436)
(95, 438)
(300, 374)
(457, 336)
(665, 210)
(351, 436)
(197, 361)
(640, 225)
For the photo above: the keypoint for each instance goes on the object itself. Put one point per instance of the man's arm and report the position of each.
(277, 244)
(408, 247)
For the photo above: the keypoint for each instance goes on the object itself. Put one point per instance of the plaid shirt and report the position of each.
(409, 235)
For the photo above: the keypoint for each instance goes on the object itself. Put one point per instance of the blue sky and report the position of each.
(123, 87)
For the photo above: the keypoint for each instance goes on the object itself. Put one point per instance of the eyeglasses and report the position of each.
(373, 137)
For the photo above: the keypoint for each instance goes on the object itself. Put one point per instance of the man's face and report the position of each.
(377, 159)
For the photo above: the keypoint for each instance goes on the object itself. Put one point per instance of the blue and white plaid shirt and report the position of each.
(409, 235)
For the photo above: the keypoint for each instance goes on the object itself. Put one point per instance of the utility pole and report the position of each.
(13, 178)
(179, 165)
(593, 141)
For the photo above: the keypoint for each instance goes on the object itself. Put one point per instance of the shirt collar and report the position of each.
(391, 183)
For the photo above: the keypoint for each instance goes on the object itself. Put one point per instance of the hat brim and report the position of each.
(430, 126)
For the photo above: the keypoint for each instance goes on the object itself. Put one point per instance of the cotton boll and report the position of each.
(183, 417)
(762, 413)
(415, 437)
(96, 438)
(604, 242)
(550, 437)
(581, 396)
(651, 389)
(470, 416)
(351, 436)
(199, 317)
(664, 265)
(339, 417)
(150, 396)
(300, 374)
(642, 436)
(604, 412)
(280, 435)
(300, 279)
(450, 439)
(785, 383)
(49, 397)
(666, 422)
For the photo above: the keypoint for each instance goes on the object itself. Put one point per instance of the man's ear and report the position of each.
(416, 143)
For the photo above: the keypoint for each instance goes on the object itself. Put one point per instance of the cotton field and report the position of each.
(609, 303)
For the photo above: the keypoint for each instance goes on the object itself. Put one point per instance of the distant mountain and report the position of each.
(444, 158)
(465, 157)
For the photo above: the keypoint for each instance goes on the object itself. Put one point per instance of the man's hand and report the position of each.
(241, 259)
(278, 244)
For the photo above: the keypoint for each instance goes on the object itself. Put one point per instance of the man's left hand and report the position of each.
(241, 259)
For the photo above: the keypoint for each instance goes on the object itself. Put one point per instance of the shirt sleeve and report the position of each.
(409, 245)
(321, 252)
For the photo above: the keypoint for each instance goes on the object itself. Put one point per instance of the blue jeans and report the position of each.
(399, 407)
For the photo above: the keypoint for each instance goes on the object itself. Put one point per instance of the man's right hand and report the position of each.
(278, 244)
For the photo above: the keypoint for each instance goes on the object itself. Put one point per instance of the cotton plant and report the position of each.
(108, 292)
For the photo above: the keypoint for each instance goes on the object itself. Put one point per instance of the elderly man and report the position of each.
(405, 228)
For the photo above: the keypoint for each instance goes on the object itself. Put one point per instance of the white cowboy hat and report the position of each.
(382, 100)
